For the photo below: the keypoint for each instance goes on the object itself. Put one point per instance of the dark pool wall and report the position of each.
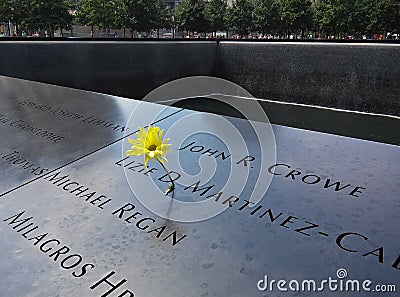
(129, 69)
(364, 77)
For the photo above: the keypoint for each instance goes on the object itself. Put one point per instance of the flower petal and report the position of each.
(151, 144)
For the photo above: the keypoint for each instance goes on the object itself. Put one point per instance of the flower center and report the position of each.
(152, 147)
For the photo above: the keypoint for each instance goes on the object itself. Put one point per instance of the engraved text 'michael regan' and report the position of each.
(143, 223)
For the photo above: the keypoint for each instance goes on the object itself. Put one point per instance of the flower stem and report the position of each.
(172, 184)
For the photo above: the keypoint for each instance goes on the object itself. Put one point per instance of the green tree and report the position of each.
(385, 17)
(163, 18)
(330, 16)
(14, 11)
(359, 12)
(266, 16)
(140, 15)
(323, 15)
(48, 15)
(215, 13)
(191, 16)
(295, 15)
(392, 15)
(101, 13)
(240, 17)
(346, 17)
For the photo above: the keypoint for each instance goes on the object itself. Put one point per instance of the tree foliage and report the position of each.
(140, 15)
(101, 13)
(325, 16)
(240, 17)
(48, 15)
(14, 11)
(295, 15)
(40, 15)
(340, 18)
(163, 17)
(266, 16)
(386, 16)
(215, 14)
(191, 16)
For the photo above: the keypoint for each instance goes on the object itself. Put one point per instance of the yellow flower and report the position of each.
(150, 144)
